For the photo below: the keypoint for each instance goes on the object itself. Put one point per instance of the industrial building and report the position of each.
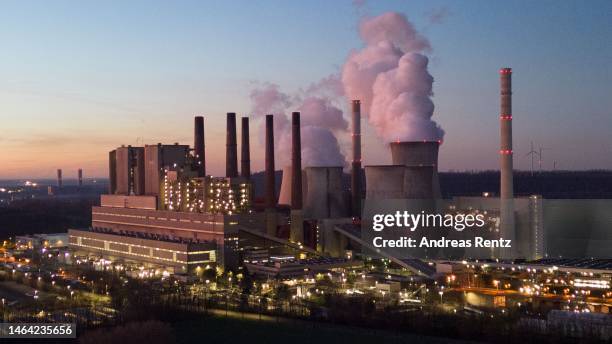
(162, 207)
(163, 210)
(51, 240)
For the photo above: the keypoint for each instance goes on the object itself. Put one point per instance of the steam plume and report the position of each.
(389, 75)
(319, 116)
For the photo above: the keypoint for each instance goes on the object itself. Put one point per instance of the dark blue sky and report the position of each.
(78, 78)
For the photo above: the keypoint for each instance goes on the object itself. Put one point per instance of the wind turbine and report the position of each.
(533, 153)
(540, 157)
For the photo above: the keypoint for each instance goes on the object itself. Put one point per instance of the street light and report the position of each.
(441, 293)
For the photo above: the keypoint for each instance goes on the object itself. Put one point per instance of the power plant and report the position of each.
(161, 193)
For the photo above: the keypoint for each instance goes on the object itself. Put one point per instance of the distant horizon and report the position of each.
(105, 178)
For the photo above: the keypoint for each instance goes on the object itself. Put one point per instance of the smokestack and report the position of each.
(270, 180)
(198, 146)
(506, 155)
(505, 117)
(231, 163)
(80, 177)
(271, 219)
(296, 162)
(297, 226)
(245, 157)
(59, 178)
(356, 164)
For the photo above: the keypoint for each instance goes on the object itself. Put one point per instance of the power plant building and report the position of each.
(163, 209)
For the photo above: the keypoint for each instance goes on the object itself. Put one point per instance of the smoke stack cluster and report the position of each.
(198, 146)
(231, 164)
(356, 164)
(80, 177)
(506, 154)
(245, 157)
(59, 178)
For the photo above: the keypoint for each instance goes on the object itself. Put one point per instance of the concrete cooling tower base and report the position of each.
(418, 154)
(398, 181)
(284, 197)
(325, 196)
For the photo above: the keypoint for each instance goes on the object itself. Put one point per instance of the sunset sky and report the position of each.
(78, 79)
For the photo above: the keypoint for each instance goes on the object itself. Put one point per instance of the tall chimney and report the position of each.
(59, 178)
(231, 163)
(297, 222)
(245, 152)
(270, 184)
(198, 146)
(356, 164)
(506, 154)
(80, 177)
(270, 180)
(296, 162)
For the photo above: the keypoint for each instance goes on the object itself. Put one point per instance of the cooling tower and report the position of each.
(418, 153)
(507, 230)
(325, 197)
(418, 182)
(198, 146)
(245, 150)
(284, 197)
(399, 182)
(384, 182)
(356, 164)
(231, 154)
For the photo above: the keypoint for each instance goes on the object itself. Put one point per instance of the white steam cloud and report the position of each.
(389, 75)
(320, 120)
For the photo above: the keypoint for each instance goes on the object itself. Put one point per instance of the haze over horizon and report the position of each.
(83, 78)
